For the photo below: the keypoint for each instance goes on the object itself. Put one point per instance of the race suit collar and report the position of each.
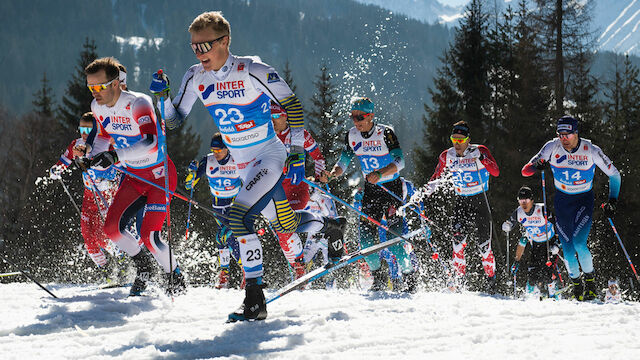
(225, 69)
(225, 160)
(367, 134)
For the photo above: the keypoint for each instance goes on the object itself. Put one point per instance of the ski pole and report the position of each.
(176, 194)
(11, 273)
(27, 275)
(486, 200)
(422, 216)
(70, 197)
(372, 220)
(623, 248)
(95, 198)
(507, 251)
(167, 198)
(186, 235)
(546, 221)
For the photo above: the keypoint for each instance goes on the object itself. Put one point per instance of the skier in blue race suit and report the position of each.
(573, 162)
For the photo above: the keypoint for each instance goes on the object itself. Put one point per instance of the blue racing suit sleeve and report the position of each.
(614, 185)
(346, 155)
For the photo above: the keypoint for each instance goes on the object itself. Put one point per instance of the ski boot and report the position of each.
(578, 289)
(223, 279)
(143, 273)
(410, 282)
(298, 268)
(254, 306)
(334, 231)
(175, 284)
(590, 291)
(379, 283)
(492, 285)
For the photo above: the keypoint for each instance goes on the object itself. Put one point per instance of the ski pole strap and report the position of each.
(377, 223)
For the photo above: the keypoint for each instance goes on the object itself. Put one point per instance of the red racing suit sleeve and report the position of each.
(442, 164)
(311, 147)
(67, 157)
(488, 161)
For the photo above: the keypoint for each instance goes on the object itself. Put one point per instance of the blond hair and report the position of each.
(213, 20)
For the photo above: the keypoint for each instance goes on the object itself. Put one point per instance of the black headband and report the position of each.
(460, 129)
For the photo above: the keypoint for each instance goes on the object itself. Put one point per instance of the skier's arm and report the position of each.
(202, 167)
(522, 243)
(144, 115)
(311, 147)
(542, 156)
(176, 110)
(442, 164)
(607, 167)
(266, 79)
(345, 158)
(395, 151)
(98, 139)
(488, 161)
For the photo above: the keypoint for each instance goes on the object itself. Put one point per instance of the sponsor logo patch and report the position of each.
(144, 120)
(272, 77)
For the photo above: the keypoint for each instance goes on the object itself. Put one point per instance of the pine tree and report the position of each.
(583, 91)
(469, 63)
(43, 101)
(564, 26)
(78, 99)
(288, 78)
(323, 117)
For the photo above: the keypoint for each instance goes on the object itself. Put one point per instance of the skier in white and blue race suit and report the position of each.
(378, 151)
(237, 92)
(573, 160)
(224, 184)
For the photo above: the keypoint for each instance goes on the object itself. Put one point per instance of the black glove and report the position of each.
(82, 163)
(609, 207)
(104, 159)
(540, 164)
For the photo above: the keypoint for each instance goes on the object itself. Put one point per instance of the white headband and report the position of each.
(123, 77)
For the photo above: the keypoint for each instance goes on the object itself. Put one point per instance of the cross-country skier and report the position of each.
(378, 150)
(320, 205)
(91, 223)
(531, 216)
(130, 120)
(237, 91)
(224, 184)
(613, 294)
(471, 166)
(297, 195)
(573, 160)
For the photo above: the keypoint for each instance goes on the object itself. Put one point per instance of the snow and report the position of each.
(312, 324)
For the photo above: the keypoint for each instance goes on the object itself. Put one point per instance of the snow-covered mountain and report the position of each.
(429, 11)
(616, 23)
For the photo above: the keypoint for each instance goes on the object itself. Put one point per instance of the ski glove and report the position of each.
(104, 160)
(191, 180)
(54, 172)
(82, 163)
(554, 249)
(193, 166)
(540, 164)
(610, 207)
(295, 165)
(507, 226)
(515, 267)
(160, 85)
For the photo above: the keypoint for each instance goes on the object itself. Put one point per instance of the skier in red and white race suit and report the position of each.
(471, 166)
(130, 120)
(91, 223)
(297, 195)
(237, 92)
